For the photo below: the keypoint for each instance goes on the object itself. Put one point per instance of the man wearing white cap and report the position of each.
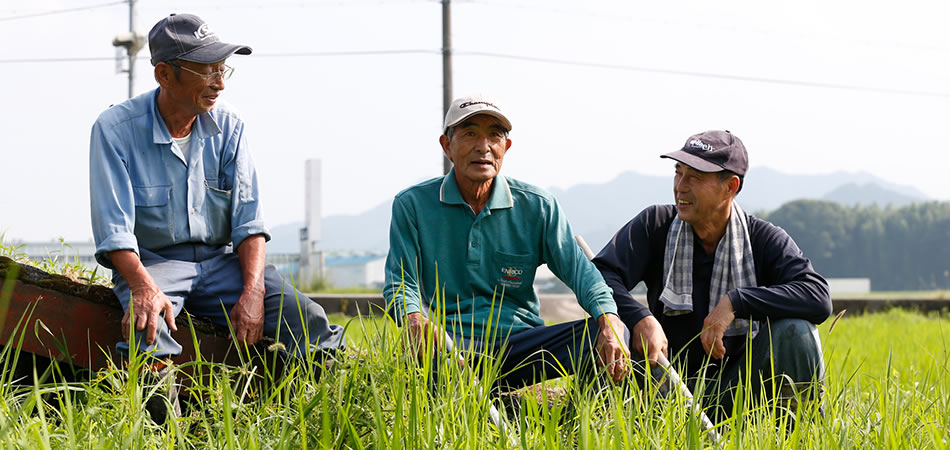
(477, 237)
(173, 190)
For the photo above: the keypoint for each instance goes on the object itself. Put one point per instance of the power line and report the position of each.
(563, 62)
(60, 11)
(349, 53)
(256, 56)
(685, 73)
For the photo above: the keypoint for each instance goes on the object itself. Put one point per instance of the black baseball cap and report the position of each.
(713, 151)
(187, 37)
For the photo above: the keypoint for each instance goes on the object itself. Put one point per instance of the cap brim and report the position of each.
(693, 161)
(501, 117)
(214, 52)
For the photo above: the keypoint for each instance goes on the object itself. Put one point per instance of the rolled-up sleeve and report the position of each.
(569, 263)
(401, 288)
(112, 205)
(246, 215)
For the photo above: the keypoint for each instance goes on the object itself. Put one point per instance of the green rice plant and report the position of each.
(887, 381)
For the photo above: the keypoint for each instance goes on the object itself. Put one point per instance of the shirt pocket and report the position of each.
(514, 272)
(151, 207)
(218, 207)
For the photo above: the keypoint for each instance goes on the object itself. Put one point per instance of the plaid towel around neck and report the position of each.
(733, 268)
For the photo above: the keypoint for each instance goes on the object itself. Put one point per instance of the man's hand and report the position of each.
(420, 329)
(714, 327)
(148, 301)
(649, 340)
(148, 304)
(611, 349)
(247, 316)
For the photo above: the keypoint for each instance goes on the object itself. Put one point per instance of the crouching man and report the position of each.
(478, 237)
(717, 277)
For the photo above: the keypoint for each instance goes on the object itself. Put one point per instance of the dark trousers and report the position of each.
(540, 353)
(785, 363)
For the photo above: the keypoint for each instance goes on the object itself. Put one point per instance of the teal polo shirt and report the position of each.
(436, 241)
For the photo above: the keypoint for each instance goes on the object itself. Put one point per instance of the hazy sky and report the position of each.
(593, 89)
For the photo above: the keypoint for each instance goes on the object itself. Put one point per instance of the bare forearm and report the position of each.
(130, 267)
(251, 254)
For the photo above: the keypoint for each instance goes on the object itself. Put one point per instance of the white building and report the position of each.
(355, 270)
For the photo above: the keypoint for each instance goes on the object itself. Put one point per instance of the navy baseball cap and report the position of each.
(187, 37)
(713, 151)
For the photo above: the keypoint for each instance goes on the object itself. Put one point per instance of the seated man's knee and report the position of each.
(796, 349)
(795, 335)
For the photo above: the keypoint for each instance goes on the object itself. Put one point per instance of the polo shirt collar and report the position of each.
(500, 193)
(204, 126)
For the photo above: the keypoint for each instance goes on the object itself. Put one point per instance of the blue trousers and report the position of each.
(540, 353)
(207, 281)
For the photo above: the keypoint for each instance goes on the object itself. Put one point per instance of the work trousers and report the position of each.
(540, 353)
(785, 363)
(207, 281)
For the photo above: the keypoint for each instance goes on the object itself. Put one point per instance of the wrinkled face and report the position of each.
(193, 93)
(699, 195)
(477, 147)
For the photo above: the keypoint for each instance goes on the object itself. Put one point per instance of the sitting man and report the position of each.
(477, 238)
(715, 272)
(173, 188)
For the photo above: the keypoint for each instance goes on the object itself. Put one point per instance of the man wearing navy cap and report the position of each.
(716, 277)
(176, 210)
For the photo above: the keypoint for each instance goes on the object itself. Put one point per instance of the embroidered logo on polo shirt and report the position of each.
(511, 277)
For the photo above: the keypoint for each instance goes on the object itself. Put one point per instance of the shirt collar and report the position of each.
(204, 126)
(500, 193)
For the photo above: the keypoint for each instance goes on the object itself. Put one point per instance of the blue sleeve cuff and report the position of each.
(118, 241)
(252, 228)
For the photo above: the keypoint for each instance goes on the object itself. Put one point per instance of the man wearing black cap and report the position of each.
(717, 277)
(173, 190)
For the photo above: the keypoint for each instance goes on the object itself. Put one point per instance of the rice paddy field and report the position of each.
(888, 386)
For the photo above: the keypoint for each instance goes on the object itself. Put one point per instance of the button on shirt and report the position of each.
(143, 193)
(437, 241)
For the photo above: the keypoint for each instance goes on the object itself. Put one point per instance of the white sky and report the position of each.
(374, 120)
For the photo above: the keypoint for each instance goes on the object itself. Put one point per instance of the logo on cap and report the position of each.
(204, 31)
(467, 104)
(696, 143)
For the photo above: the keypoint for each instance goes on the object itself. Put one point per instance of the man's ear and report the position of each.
(507, 145)
(733, 185)
(164, 74)
(444, 142)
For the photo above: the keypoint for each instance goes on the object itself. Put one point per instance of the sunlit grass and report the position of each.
(888, 385)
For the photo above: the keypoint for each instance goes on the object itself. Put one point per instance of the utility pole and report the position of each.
(446, 70)
(132, 42)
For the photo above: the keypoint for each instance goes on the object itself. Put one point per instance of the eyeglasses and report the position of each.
(209, 78)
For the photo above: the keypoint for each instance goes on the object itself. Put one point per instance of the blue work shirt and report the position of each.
(437, 241)
(143, 194)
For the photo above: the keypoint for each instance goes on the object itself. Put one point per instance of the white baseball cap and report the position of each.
(464, 107)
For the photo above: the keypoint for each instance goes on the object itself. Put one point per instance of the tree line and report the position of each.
(906, 248)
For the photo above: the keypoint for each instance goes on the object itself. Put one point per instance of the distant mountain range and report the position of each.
(596, 211)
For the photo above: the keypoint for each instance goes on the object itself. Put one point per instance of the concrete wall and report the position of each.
(849, 285)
